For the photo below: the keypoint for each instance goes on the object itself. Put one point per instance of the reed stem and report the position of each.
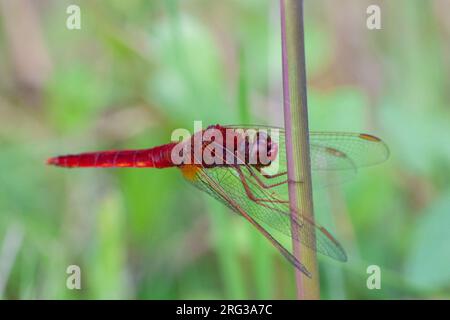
(297, 139)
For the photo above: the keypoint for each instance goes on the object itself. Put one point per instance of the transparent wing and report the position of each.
(360, 149)
(211, 182)
(261, 196)
(244, 189)
(333, 150)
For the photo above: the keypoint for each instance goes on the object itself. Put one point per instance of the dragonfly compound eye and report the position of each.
(261, 150)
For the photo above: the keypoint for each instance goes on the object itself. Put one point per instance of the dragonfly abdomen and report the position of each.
(158, 157)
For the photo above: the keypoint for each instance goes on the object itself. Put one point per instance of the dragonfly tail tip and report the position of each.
(51, 161)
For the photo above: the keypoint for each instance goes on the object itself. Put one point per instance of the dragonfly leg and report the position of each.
(271, 176)
(268, 186)
(260, 201)
(249, 192)
(264, 185)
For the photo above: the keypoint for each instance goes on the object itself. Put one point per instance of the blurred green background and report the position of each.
(139, 69)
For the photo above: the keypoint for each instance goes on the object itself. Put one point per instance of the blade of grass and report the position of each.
(261, 262)
(297, 138)
(108, 263)
(8, 254)
(244, 112)
(228, 256)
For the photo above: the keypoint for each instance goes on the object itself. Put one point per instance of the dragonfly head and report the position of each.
(263, 148)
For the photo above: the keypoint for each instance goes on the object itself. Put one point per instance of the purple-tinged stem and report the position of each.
(297, 139)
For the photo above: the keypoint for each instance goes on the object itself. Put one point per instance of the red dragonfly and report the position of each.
(248, 174)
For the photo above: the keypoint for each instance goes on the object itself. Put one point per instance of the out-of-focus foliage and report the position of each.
(139, 69)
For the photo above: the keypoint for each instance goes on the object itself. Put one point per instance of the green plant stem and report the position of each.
(297, 138)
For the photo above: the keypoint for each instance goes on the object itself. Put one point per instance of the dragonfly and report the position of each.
(244, 167)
